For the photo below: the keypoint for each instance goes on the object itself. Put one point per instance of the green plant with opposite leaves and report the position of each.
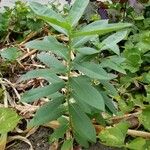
(78, 88)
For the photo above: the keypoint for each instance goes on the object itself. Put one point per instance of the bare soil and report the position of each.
(39, 141)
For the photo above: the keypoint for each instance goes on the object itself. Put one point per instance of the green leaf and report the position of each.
(95, 24)
(81, 58)
(144, 118)
(60, 131)
(146, 77)
(98, 28)
(87, 50)
(49, 43)
(52, 62)
(85, 106)
(37, 93)
(55, 95)
(111, 41)
(67, 145)
(147, 145)
(44, 73)
(60, 26)
(93, 70)
(10, 54)
(84, 92)
(81, 140)
(43, 10)
(114, 136)
(49, 15)
(117, 59)
(48, 112)
(109, 103)
(99, 119)
(76, 12)
(81, 123)
(126, 106)
(112, 65)
(8, 120)
(80, 41)
(133, 59)
(109, 88)
(137, 144)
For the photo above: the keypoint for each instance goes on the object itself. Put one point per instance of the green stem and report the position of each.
(68, 88)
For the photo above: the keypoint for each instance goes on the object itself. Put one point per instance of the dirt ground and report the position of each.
(39, 141)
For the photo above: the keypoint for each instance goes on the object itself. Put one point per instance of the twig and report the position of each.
(27, 55)
(13, 87)
(4, 93)
(18, 137)
(139, 133)
(115, 118)
(31, 35)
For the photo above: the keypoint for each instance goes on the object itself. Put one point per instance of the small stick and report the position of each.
(126, 116)
(139, 133)
(27, 55)
(31, 35)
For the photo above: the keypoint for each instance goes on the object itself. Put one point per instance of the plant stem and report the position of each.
(68, 88)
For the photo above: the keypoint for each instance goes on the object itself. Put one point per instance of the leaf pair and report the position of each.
(66, 25)
(56, 20)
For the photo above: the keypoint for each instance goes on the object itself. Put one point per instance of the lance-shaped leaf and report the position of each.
(98, 28)
(49, 15)
(80, 41)
(81, 123)
(43, 73)
(76, 11)
(111, 90)
(84, 92)
(87, 50)
(49, 43)
(108, 63)
(111, 41)
(37, 93)
(48, 112)
(93, 70)
(81, 58)
(85, 106)
(52, 62)
(109, 103)
(81, 140)
(10, 54)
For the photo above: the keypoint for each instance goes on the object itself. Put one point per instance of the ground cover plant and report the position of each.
(88, 80)
(18, 22)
